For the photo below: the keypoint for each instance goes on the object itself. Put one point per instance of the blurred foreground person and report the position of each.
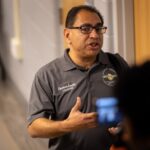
(133, 93)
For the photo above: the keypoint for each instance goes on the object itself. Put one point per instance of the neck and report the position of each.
(85, 62)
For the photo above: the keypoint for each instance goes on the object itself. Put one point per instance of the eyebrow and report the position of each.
(88, 24)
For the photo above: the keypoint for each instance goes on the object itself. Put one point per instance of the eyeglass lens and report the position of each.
(87, 28)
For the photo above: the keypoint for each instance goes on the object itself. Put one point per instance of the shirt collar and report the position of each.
(67, 63)
(103, 58)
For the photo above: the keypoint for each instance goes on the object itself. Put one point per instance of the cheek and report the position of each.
(101, 39)
(80, 42)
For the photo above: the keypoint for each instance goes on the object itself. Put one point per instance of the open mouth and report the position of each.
(94, 45)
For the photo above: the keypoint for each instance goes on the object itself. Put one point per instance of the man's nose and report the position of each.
(94, 34)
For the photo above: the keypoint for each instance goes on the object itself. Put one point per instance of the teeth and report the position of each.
(93, 44)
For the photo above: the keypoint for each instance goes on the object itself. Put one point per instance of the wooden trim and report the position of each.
(142, 30)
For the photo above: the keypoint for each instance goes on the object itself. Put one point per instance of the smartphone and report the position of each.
(108, 111)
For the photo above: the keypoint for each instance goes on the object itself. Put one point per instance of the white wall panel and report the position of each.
(39, 37)
(105, 7)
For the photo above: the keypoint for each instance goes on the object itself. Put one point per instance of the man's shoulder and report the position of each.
(55, 63)
(118, 61)
(115, 56)
(51, 66)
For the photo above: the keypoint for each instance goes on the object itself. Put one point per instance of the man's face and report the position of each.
(84, 45)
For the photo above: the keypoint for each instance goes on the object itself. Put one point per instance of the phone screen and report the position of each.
(108, 112)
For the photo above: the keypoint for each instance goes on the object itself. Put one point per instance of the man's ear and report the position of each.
(67, 36)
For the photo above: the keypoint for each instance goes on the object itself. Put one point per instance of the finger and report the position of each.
(90, 123)
(114, 130)
(77, 105)
(91, 115)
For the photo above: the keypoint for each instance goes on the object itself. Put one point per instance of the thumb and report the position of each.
(77, 105)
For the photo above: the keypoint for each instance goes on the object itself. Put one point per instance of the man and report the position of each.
(133, 95)
(64, 92)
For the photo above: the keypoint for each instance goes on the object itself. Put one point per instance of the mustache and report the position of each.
(93, 42)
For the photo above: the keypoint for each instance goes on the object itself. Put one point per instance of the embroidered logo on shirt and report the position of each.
(67, 87)
(109, 76)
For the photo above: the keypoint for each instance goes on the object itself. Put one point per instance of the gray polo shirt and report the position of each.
(54, 92)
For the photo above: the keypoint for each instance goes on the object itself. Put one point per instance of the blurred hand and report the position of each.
(114, 130)
(78, 120)
(117, 148)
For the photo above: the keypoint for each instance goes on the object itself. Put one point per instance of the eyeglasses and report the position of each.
(88, 28)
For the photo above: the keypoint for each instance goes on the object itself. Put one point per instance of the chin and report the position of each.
(92, 55)
(94, 52)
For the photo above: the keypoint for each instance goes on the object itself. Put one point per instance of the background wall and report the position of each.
(39, 35)
(119, 18)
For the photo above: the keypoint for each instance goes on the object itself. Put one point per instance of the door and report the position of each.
(65, 6)
(142, 30)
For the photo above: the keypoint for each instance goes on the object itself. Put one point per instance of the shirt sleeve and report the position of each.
(41, 100)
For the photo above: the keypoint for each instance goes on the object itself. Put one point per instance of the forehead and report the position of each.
(85, 16)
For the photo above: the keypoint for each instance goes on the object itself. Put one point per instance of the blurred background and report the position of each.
(31, 35)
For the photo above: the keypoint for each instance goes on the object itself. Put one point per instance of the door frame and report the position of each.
(124, 29)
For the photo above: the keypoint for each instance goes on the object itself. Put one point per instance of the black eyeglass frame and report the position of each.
(99, 29)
